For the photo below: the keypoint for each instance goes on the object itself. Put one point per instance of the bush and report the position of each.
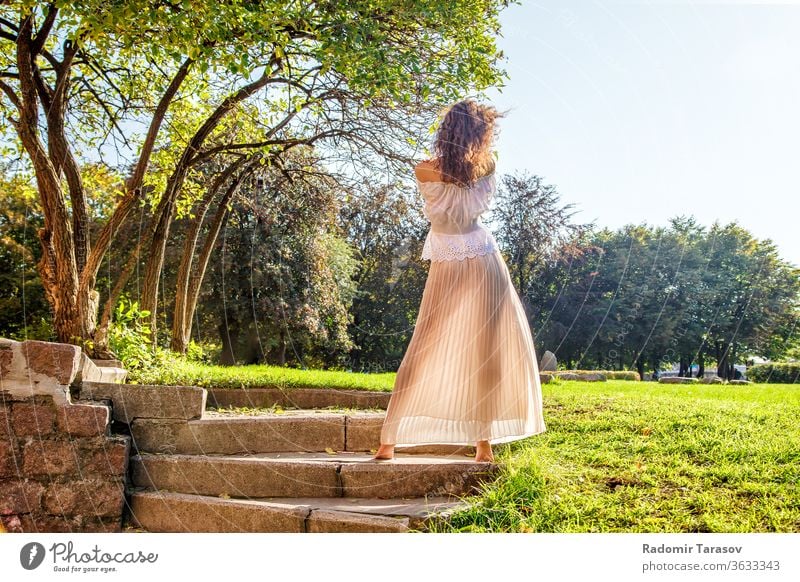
(775, 373)
(129, 336)
(609, 374)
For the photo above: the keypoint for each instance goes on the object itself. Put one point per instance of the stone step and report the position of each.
(296, 398)
(310, 475)
(289, 431)
(179, 512)
(132, 401)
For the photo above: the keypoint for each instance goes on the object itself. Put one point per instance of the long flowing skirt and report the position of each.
(470, 371)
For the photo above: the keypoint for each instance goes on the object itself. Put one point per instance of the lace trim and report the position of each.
(457, 247)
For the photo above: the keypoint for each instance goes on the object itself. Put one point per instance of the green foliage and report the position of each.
(775, 372)
(387, 232)
(129, 336)
(657, 296)
(24, 313)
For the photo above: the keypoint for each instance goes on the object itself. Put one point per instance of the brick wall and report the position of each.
(60, 468)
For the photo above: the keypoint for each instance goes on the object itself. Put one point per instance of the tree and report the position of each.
(534, 230)
(283, 275)
(386, 227)
(77, 75)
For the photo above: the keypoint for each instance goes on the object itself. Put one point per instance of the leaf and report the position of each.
(330, 451)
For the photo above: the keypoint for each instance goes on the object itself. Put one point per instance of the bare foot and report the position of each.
(483, 452)
(385, 452)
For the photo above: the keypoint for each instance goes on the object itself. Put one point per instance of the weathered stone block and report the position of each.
(20, 496)
(54, 360)
(83, 420)
(45, 523)
(88, 497)
(6, 356)
(11, 523)
(177, 512)
(34, 367)
(236, 476)
(414, 479)
(677, 380)
(548, 363)
(32, 419)
(6, 429)
(711, 380)
(251, 434)
(132, 401)
(110, 458)
(324, 521)
(9, 458)
(364, 431)
(41, 458)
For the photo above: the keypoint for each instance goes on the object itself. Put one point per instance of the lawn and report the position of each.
(186, 373)
(646, 457)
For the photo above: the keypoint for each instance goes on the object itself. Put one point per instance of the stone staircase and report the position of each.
(294, 465)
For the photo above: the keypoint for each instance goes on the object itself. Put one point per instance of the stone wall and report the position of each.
(60, 468)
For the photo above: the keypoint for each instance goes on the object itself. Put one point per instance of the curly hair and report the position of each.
(462, 146)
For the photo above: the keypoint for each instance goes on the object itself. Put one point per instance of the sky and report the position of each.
(640, 111)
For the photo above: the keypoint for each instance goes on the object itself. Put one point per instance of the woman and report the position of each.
(469, 375)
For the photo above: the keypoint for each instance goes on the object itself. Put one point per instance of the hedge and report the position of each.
(775, 373)
(610, 374)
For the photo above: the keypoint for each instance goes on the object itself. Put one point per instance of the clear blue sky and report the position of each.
(640, 111)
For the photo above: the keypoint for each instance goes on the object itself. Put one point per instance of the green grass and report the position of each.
(181, 372)
(645, 457)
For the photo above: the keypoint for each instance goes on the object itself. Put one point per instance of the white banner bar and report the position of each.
(354, 557)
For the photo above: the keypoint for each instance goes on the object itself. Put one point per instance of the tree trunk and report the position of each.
(640, 367)
(58, 266)
(722, 361)
(701, 365)
(282, 349)
(166, 206)
(187, 286)
(228, 333)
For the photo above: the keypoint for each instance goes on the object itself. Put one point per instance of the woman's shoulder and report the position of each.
(426, 171)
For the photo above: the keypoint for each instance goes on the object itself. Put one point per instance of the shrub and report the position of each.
(776, 372)
(129, 335)
(609, 374)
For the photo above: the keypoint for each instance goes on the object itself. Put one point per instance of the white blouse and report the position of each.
(454, 212)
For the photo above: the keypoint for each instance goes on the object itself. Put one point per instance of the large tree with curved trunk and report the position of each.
(173, 85)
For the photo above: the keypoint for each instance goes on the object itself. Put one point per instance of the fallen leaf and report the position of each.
(330, 451)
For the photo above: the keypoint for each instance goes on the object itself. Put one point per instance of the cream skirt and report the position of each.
(470, 372)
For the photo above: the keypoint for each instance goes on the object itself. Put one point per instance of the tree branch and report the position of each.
(41, 37)
(13, 97)
(133, 185)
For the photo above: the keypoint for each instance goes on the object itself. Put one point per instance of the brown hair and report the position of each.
(462, 146)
